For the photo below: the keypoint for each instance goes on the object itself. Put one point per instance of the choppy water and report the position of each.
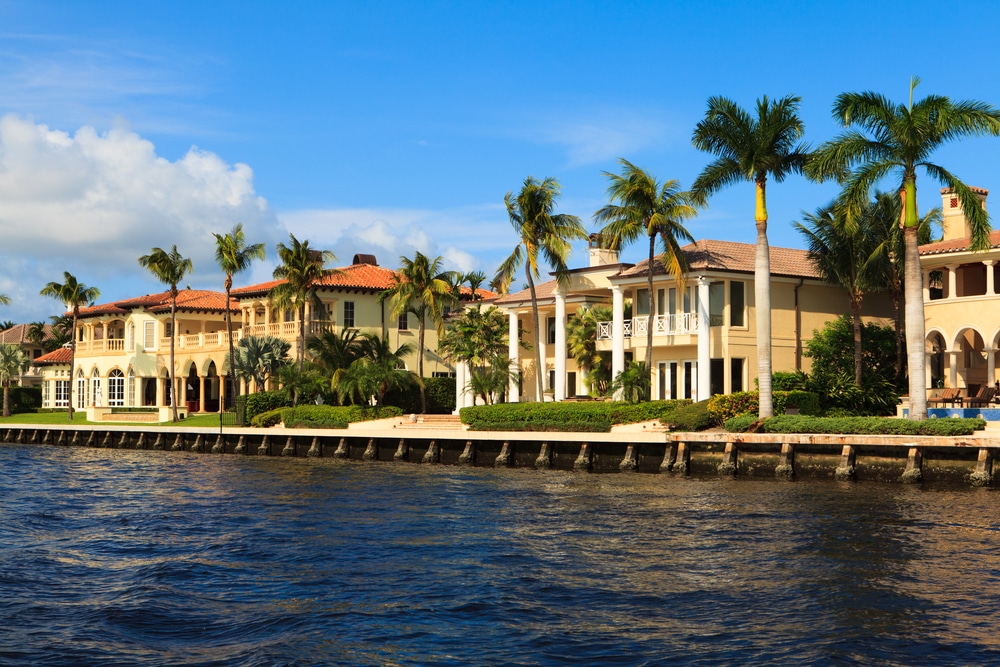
(166, 558)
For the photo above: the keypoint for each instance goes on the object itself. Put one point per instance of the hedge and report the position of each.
(486, 417)
(545, 425)
(321, 416)
(861, 425)
(25, 399)
(251, 405)
(724, 407)
(440, 397)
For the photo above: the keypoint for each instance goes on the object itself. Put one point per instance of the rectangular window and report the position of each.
(62, 393)
(671, 300)
(717, 376)
(149, 335)
(404, 322)
(552, 381)
(348, 314)
(737, 304)
(661, 304)
(735, 375)
(442, 374)
(46, 398)
(716, 303)
(168, 329)
(686, 301)
(550, 336)
(641, 305)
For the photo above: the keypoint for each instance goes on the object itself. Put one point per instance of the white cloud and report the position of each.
(92, 203)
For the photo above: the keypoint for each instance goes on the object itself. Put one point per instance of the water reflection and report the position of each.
(163, 558)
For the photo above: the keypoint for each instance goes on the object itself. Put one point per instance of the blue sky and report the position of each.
(391, 127)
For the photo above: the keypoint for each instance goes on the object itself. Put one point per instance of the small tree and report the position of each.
(12, 363)
(258, 358)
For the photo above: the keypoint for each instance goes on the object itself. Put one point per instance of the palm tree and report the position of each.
(37, 332)
(847, 255)
(60, 333)
(650, 209)
(421, 286)
(883, 215)
(301, 267)
(893, 140)
(72, 294)
(539, 232)
(475, 280)
(334, 352)
(259, 358)
(379, 370)
(752, 149)
(169, 268)
(234, 256)
(478, 338)
(581, 339)
(13, 361)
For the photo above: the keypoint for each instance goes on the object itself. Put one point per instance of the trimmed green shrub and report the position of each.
(740, 424)
(488, 417)
(321, 416)
(789, 381)
(694, 417)
(723, 407)
(440, 397)
(263, 401)
(871, 425)
(267, 419)
(25, 399)
(549, 426)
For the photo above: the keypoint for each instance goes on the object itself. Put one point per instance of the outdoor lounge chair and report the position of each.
(949, 396)
(982, 398)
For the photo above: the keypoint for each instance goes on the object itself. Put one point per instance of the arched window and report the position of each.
(116, 388)
(98, 396)
(130, 388)
(81, 390)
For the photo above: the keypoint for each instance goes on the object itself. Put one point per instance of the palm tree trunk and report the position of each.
(856, 321)
(649, 302)
(913, 300)
(6, 398)
(762, 295)
(232, 348)
(420, 366)
(173, 337)
(539, 369)
(72, 362)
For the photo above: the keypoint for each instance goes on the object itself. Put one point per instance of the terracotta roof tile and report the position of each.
(206, 300)
(544, 290)
(18, 334)
(60, 356)
(710, 255)
(956, 245)
(355, 276)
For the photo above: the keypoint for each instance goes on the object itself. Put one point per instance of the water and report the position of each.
(111, 557)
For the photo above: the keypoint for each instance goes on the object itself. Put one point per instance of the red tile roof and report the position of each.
(60, 356)
(710, 255)
(353, 277)
(187, 299)
(542, 291)
(956, 245)
(18, 334)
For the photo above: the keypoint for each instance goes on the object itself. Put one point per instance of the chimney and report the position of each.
(952, 216)
(600, 254)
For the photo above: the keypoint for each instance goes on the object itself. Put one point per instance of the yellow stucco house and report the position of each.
(704, 339)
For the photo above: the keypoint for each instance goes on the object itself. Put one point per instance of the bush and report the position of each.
(740, 424)
(264, 401)
(440, 394)
(321, 416)
(789, 381)
(546, 425)
(694, 417)
(871, 425)
(267, 419)
(490, 417)
(723, 407)
(25, 399)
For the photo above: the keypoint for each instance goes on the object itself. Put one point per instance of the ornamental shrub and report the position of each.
(440, 394)
(322, 416)
(488, 417)
(25, 399)
(740, 424)
(693, 417)
(263, 401)
(871, 425)
(723, 407)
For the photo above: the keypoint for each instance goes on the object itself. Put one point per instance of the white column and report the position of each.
(928, 380)
(514, 353)
(952, 287)
(991, 288)
(617, 333)
(560, 352)
(704, 355)
(952, 368)
(460, 382)
(991, 364)
(925, 276)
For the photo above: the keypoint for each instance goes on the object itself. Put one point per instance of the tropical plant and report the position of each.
(478, 338)
(420, 286)
(72, 294)
(475, 280)
(847, 255)
(882, 216)
(37, 332)
(169, 268)
(258, 358)
(632, 384)
(892, 140)
(234, 256)
(13, 361)
(540, 233)
(334, 353)
(379, 370)
(752, 149)
(60, 333)
(581, 339)
(301, 268)
(647, 209)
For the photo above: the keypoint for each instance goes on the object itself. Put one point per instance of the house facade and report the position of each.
(704, 337)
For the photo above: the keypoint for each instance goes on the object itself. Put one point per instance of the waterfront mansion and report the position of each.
(704, 339)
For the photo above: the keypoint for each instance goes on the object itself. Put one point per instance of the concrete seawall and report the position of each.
(884, 458)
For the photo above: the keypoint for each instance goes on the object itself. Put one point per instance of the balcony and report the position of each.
(663, 325)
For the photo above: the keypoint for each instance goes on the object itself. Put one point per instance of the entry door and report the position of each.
(571, 384)
(661, 381)
(689, 378)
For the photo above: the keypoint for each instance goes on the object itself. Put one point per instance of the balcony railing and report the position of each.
(663, 325)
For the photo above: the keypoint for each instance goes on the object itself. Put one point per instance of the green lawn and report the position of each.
(80, 419)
